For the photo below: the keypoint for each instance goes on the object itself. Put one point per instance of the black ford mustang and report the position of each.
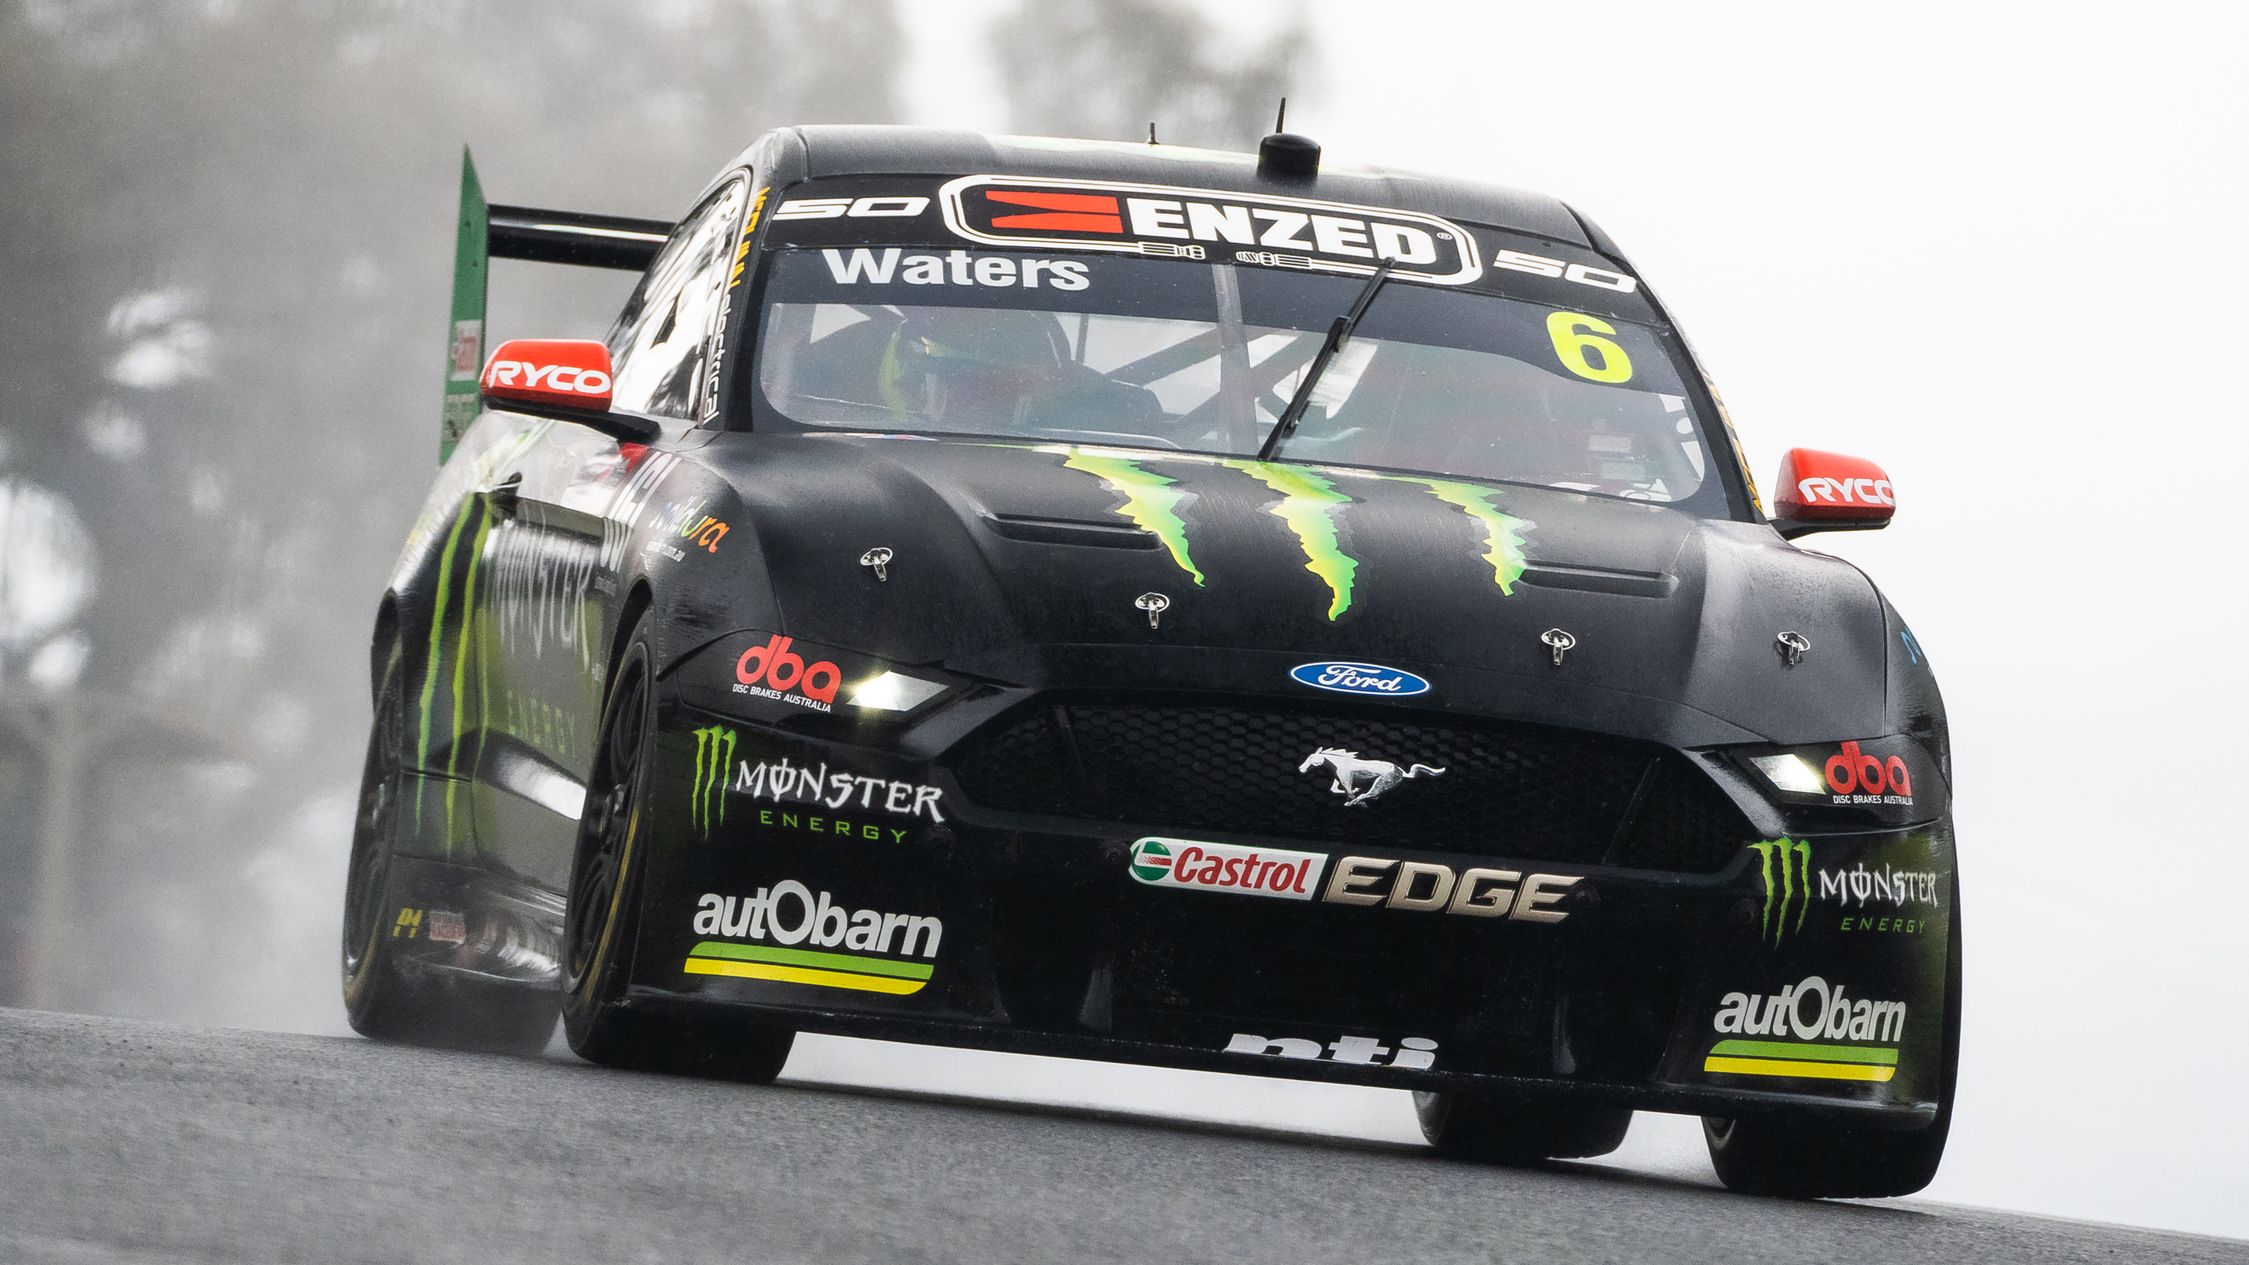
(1162, 606)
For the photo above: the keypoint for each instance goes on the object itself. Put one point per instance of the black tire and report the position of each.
(1499, 1129)
(602, 918)
(1795, 1160)
(389, 999)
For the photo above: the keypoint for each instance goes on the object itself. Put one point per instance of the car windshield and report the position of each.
(1204, 356)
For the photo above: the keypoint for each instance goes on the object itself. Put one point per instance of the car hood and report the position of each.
(1032, 564)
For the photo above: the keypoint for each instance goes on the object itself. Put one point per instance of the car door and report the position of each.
(559, 556)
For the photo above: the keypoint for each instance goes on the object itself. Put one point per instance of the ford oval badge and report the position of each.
(1359, 678)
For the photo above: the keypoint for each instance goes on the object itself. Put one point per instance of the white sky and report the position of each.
(1999, 249)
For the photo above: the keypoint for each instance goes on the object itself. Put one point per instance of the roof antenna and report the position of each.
(1286, 156)
(1151, 131)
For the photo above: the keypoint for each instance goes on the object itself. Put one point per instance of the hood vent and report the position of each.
(1555, 575)
(1071, 531)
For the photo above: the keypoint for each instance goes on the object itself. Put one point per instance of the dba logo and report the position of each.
(1359, 678)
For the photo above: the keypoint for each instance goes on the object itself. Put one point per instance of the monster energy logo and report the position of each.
(1309, 505)
(714, 754)
(1794, 888)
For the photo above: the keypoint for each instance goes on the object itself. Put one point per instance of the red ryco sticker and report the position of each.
(571, 371)
(1177, 223)
(1855, 777)
(774, 671)
(1227, 867)
(1817, 485)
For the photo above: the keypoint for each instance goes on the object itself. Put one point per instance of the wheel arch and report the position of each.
(386, 634)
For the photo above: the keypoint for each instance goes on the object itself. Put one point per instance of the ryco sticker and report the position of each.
(1821, 490)
(1209, 224)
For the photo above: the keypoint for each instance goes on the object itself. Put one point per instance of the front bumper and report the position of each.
(851, 888)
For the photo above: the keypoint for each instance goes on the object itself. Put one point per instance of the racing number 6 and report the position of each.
(1571, 342)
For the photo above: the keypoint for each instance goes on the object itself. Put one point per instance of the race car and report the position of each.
(1165, 606)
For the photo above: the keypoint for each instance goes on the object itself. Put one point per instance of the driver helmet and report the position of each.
(971, 368)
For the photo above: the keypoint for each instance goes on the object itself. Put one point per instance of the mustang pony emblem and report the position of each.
(1360, 780)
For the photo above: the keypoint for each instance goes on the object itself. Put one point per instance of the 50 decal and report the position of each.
(1583, 274)
(874, 208)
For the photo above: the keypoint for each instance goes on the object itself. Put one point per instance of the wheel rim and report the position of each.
(611, 799)
(377, 820)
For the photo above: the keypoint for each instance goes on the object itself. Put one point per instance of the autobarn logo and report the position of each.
(1854, 777)
(790, 933)
(1209, 224)
(1227, 867)
(1812, 1010)
(1810, 1030)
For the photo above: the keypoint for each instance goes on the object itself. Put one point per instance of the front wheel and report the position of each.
(1498, 1129)
(1827, 1161)
(602, 920)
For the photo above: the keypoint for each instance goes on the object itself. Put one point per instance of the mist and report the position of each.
(1990, 246)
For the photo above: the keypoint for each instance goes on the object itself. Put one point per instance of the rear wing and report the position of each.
(490, 232)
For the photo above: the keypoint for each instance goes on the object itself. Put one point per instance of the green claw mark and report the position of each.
(430, 666)
(1149, 501)
(1307, 505)
(1503, 533)
(1764, 853)
(461, 659)
(714, 752)
(1803, 867)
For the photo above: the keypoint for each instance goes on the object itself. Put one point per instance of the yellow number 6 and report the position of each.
(1571, 342)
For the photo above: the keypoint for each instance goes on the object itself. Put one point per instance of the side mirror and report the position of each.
(1827, 491)
(571, 372)
(568, 379)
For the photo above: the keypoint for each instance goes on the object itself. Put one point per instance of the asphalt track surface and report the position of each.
(139, 1142)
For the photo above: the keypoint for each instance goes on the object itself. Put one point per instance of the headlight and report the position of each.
(892, 691)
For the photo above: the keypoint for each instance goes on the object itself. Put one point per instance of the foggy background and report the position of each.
(1996, 247)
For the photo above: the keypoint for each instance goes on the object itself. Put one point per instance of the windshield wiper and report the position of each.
(1338, 334)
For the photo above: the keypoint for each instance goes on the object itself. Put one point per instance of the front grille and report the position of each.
(1514, 790)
